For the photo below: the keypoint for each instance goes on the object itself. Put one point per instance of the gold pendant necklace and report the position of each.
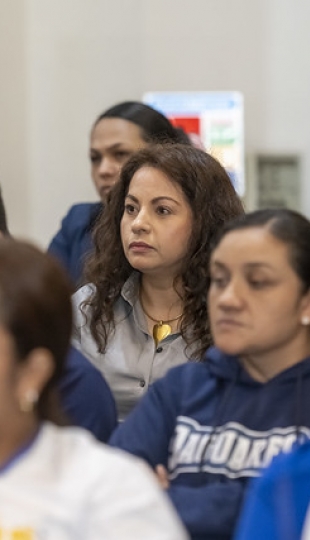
(161, 329)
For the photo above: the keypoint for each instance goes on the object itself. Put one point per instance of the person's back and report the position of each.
(66, 486)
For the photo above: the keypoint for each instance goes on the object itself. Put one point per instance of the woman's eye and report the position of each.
(129, 208)
(121, 155)
(163, 211)
(218, 281)
(94, 158)
(257, 283)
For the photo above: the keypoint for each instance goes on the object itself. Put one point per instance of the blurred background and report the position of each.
(62, 62)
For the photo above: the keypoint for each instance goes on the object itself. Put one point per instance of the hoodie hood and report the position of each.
(227, 367)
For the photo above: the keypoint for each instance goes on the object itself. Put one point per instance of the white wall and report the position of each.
(13, 133)
(64, 61)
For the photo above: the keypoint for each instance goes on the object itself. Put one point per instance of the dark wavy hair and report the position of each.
(35, 308)
(288, 226)
(3, 218)
(154, 126)
(213, 201)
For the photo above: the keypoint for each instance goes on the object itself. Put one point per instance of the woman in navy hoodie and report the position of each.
(207, 428)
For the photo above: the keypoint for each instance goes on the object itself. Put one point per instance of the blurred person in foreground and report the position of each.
(58, 482)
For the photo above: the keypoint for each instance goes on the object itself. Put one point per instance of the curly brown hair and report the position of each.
(213, 200)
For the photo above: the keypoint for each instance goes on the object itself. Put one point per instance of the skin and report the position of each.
(155, 230)
(18, 427)
(256, 303)
(112, 142)
(162, 476)
(156, 224)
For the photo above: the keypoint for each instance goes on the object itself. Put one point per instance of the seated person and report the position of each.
(144, 308)
(58, 482)
(115, 135)
(209, 427)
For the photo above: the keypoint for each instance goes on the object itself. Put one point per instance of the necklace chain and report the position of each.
(161, 329)
(159, 321)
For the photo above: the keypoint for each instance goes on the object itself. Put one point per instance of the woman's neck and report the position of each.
(161, 300)
(15, 435)
(263, 366)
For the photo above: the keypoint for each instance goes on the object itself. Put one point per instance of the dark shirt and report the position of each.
(86, 397)
(73, 242)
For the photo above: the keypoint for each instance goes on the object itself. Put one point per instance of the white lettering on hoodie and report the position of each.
(232, 449)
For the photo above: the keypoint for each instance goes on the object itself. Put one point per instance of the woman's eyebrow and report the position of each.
(155, 200)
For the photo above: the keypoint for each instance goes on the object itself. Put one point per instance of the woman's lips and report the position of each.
(228, 323)
(139, 247)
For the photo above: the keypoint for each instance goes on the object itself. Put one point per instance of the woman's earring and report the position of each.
(29, 400)
(305, 320)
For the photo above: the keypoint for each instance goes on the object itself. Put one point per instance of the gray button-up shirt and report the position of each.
(131, 361)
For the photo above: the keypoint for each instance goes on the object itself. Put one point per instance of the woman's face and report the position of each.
(112, 142)
(156, 225)
(256, 303)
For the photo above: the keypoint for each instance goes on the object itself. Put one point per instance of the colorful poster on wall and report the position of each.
(213, 120)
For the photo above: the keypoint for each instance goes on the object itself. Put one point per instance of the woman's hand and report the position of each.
(162, 476)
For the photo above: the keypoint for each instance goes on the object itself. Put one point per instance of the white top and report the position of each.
(131, 362)
(67, 485)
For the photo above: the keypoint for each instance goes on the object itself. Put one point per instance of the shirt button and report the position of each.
(159, 349)
(142, 383)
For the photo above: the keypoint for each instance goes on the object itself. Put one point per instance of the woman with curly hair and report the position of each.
(144, 309)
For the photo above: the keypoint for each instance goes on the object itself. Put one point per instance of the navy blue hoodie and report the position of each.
(214, 428)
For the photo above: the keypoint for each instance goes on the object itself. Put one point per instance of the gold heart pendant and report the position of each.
(160, 332)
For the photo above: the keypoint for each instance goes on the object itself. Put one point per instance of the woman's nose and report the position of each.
(231, 295)
(108, 167)
(141, 221)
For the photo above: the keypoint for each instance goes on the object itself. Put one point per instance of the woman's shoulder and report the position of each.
(83, 293)
(86, 209)
(75, 449)
(80, 217)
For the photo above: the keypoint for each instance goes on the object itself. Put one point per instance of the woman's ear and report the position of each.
(34, 373)
(305, 311)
